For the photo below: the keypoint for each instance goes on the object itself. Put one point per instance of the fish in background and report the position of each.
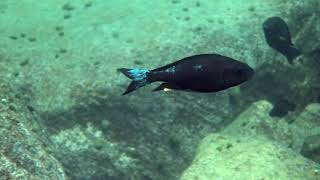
(198, 73)
(278, 37)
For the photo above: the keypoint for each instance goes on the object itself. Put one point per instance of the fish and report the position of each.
(278, 37)
(198, 73)
(281, 107)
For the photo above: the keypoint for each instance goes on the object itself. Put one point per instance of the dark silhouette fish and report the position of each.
(278, 37)
(199, 73)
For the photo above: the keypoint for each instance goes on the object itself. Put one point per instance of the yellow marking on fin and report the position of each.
(166, 89)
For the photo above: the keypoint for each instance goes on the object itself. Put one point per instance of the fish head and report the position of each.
(265, 26)
(238, 74)
(276, 30)
(273, 23)
(268, 29)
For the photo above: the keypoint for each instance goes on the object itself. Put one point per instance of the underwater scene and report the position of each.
(160, 90)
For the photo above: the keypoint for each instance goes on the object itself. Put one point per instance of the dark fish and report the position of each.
(281, 107)
(278, 37)
(200, 73)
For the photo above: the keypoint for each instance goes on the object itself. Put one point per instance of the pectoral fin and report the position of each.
(167, 87)
(282, 38)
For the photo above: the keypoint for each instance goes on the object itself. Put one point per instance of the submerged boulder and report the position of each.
(307, 128)
(22, 154)
(87, 149)
(256, 121)
(222, 156)
(253, 146)
(311, 148)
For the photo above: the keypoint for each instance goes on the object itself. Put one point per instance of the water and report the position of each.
(62, 114)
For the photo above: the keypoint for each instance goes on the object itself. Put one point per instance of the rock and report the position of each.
(222, 156)
(311, 148)
(308, 119)
(258, 146)
(22, 154)
(281, 108)
(305, 18)
(256, 121)
(306, 129)
(305, 125)
(86, 149)
(158, 138)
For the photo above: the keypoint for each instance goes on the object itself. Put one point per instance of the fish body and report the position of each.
(199, 73)
(278, 37)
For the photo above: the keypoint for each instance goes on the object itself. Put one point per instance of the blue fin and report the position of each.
(139, 78)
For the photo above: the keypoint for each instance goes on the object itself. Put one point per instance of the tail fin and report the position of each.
(139, 78)
(293, 52)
